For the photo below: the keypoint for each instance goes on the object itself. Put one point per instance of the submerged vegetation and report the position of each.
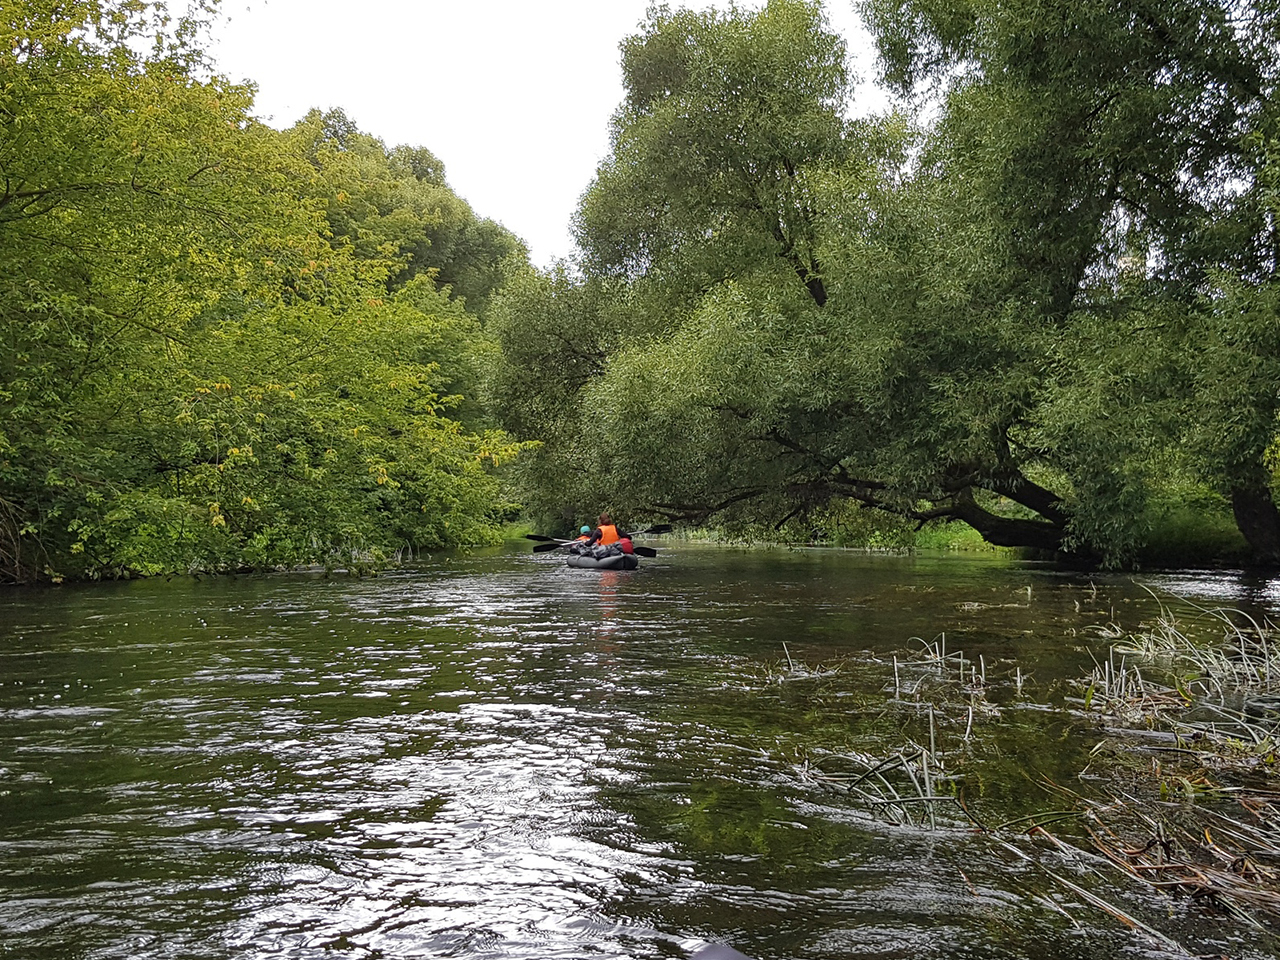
(1176, 732)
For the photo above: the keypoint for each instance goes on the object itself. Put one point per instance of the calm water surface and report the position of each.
(493, 755)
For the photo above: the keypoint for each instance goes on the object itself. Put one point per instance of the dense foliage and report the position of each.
(1039, 299)
(223, 346)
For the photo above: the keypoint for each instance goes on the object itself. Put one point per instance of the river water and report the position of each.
(493, 755)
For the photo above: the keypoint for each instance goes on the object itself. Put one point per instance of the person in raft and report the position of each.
(580, 546)
(609, 537)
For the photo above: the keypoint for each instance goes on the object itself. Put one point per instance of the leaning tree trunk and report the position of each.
(1000, 531)
(1259, 521)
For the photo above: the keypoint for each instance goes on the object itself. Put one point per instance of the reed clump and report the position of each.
(1186, 712)
(913, 785)
(1219, 697)
(1224, 860)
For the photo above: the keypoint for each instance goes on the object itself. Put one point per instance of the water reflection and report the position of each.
(607, 586)
(499, 756)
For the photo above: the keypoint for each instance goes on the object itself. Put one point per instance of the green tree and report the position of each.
(553, 335)
(1022, 317)
(785, 345)
(1112, 140)
(127, 204)
(304, 434)
(727, 117)
(393, 207)
(191, 375)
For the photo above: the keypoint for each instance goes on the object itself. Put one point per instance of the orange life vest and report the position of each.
(608, 533)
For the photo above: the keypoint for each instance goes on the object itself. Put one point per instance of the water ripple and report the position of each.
(494, 756)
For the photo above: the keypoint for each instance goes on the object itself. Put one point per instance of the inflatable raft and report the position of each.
(616, 561)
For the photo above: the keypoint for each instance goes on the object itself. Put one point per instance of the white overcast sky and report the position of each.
(514, 96)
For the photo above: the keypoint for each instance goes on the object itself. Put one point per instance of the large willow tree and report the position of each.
(728, 122)
(1029, 314)
(1123, 154)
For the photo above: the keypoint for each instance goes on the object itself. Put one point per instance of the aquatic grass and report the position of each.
(960, 696)
(1088, 896)
(1224, 872)
(1173, 847)
(911, 785)
(1220, 703)
(1162, 940)
(1217, 735)
(1246, 655)
(1190, 709)
(970, 674)
(899, 788)
(1176, 843)
(1179, 852)
(776, 673)
(1119, 690)
(1170, 833)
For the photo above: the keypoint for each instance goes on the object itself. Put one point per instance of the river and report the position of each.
(492, 755)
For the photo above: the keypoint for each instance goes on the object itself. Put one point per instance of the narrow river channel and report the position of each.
(493, 755)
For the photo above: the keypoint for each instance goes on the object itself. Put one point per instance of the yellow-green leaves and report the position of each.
(196, 370)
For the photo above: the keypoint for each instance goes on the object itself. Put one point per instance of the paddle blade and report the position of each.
(656, 528)
(640, 551)
(544, 547)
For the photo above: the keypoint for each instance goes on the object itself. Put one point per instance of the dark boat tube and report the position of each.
(615, 561)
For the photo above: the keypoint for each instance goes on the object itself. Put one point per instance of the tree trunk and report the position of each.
(1008, 531)
(1259, 521)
